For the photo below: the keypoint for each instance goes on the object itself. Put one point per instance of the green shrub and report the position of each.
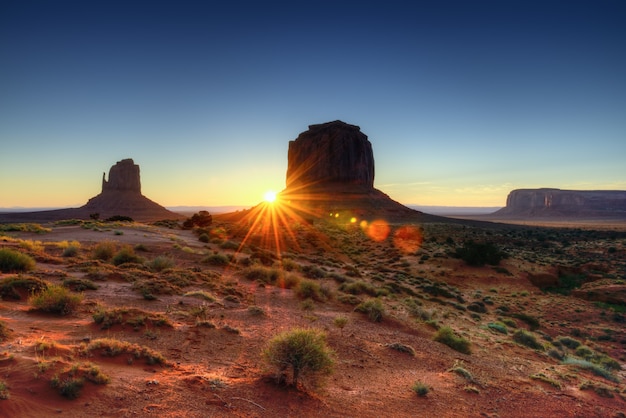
(111, 348)
(532, 322)
(161, 263)
(373, 308)
(308, 289)
(498, 327)
(479, 254)
(78, 285)
(10, 287)
(56, 299)
(358, 288)
(446, 335)
(421, 389)
(68, 387)
(569, 342)
(313, 272)
(14, 261)
(301, 350)
(217, 259)
(70, 251)
(527, 339)
(592, 367)
(104, 250)
(126, 255)
(403, 348)
(4, 391)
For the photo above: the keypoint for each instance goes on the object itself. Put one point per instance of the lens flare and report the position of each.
(378, 230)
(408, 239)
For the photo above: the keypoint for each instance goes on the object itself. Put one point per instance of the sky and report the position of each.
(463, 101)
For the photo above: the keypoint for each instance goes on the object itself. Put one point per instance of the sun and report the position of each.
(270, 196)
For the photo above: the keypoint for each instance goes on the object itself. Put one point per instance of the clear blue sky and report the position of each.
(463, 101)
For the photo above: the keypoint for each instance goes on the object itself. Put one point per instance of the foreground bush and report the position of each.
(301, 350)
(373, 308)
(15, 261)
(446, 336)
(126, 255)
(479, 254)
(56, 299)
(18, 286)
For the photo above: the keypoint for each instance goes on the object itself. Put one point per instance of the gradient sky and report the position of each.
(463, 101)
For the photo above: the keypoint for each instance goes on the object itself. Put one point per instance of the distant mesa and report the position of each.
(121, 195)
(330, 168)
(552, 203)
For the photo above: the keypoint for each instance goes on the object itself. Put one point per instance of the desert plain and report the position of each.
(172, 322)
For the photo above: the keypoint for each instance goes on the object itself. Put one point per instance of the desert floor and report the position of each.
(209, 308)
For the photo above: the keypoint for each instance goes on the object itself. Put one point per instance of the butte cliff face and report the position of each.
(330, 169)
(121, 195)
(331, 155)
(565, 203)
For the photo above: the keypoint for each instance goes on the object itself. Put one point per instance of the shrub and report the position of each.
(56, 299)
(10, 286)
(308, 289)
(126, 255)
(200, 219)
(15, 261)
(111, 348)
(446, 336)
(403, 348)
(479, 254)
(532, 322)
(421, 389)
(373, 308)
(527, 339)
(70, 251)
(104, 250)
(301, 350)
(161, 263)
(340, 322)
(78, 285)
(593, 368)
(4, 391)
(217, 259)
(498, 327)
(69, 387)
(201, 294)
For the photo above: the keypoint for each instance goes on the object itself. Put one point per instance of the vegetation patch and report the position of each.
(109, 347)
(373, 308)
(420, 388)
(56, 299)
(299, 351)
(136, 318)
(15, 261)
(16, 287)
(523, 337)
(446, 335)
(403, 348)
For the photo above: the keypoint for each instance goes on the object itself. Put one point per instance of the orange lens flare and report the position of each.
(378, 230)
(408, 239)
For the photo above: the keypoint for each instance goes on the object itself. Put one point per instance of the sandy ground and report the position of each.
(219, 371)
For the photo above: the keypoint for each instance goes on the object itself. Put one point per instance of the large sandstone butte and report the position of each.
(545, 202)
(330, 169)
(120, 196)
(331, 155)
